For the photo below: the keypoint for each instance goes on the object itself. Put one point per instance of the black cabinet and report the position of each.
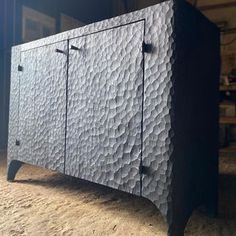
(129, 102)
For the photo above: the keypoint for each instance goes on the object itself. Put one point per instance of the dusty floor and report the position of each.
(42, 202)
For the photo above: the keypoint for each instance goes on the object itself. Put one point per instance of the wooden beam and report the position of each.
(217, 6)
(228, 88)
(227, 120)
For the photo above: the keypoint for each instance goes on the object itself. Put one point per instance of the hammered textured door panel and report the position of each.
(26, 105)
(105, 107)
(50, 104)
(43, 106)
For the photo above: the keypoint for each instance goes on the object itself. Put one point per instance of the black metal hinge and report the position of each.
(144, 170)
(17, 142)
(147, 47)
(20, 68)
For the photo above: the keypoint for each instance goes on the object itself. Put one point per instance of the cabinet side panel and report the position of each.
(196, 113)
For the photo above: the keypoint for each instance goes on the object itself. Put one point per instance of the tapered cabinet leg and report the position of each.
(175, 230)
(177, 223)
(211, 202)
(176, 220)
(13, 168)
(211, 209)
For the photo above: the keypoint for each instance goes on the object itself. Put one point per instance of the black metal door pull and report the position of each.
(60, 51)
(72, 47)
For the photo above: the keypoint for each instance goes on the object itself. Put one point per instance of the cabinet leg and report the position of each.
(211, 210)
(13, 168)
(175, 230)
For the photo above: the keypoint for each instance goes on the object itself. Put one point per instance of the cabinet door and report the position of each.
(42, 106)
(26, 105)
(105, 94)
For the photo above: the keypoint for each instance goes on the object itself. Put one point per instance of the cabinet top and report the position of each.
(156, 17)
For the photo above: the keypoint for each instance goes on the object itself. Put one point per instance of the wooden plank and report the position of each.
(229, 149)
(228, 88)
(228, 120)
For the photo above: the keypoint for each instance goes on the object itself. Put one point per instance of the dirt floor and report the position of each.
(42, 202)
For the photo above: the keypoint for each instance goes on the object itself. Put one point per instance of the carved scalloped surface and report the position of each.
(50, 107)
(158, 109)
(12, 152)
(26, 106)
(105, 107)
(43, 107)
(157, 146)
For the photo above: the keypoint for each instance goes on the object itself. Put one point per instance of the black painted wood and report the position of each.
(137, 117)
